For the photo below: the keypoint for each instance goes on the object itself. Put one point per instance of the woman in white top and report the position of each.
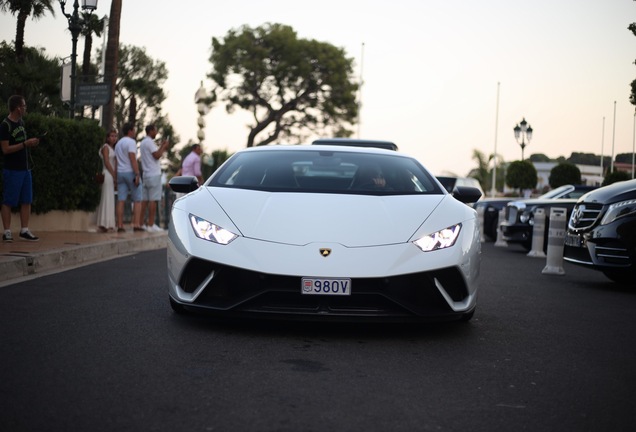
(106, 208)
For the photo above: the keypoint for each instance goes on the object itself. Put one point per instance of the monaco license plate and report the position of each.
(574, 241)
(326, 286)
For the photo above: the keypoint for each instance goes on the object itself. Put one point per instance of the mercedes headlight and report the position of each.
(439, 240)
(526, 218)
(619, 210)
(211, 232)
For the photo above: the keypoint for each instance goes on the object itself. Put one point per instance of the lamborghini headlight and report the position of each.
(211, 232)
(619, 210)
(439, 240)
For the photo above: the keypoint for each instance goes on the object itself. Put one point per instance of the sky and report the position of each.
(439, 78)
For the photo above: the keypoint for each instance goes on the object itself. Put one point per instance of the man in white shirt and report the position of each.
(151, 189)
(128, 179)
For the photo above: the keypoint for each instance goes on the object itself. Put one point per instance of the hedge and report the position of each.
(64, 164)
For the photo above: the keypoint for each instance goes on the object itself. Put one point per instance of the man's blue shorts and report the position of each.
(18, 187)
(125, 184)
(152, 188)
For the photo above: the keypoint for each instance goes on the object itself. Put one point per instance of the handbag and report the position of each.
(99, 174)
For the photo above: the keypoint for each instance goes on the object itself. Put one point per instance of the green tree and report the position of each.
(521, 175)
(564, 173)
(623, 158)
(584, 158)
(291, 86)
(38, 78)
(23, 9)
(139, 87)
(615, 176)
(213, 161)
(539, 157)
(481, 173)
(91, 25)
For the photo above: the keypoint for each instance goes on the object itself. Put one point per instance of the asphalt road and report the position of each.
(98, 349)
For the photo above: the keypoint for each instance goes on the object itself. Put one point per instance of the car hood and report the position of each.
(533, 202)
(615, 192)
(351, 220)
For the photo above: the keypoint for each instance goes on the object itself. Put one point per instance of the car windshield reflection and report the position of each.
(324, 171)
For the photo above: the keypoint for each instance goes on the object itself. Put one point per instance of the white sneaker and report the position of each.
(155, 228)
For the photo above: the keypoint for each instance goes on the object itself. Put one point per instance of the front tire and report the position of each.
(491, 232)
(467, 316)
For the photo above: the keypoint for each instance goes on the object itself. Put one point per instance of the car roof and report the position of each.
(314, 147)
(387, 145)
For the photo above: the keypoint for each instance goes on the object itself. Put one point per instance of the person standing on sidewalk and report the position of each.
(191, 165)
(106, 210)
(16, 172)
(151, 190)
(128, 179)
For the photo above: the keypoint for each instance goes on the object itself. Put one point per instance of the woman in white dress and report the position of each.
(106, 208)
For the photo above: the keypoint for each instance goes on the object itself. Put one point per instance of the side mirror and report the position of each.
(466, 194)
(184, 184)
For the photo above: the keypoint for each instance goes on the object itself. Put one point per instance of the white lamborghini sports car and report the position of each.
(320, 232)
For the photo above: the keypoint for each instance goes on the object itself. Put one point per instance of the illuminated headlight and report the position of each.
(619, 210)
(208, 231)
(440, 239)
(525, 217)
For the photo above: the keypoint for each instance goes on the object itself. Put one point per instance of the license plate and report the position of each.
(573, 241)
(326, 286)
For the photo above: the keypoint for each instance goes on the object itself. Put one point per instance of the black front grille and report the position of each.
(584, 216)
(579, 254)
(246, 291)
(511, 214)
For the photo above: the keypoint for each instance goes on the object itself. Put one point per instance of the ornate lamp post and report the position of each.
(524, 131)
(200, 98)
(75, 26)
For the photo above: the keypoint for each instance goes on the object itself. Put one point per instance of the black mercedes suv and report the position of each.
(601, 232)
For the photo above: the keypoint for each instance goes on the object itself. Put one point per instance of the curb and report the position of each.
(18, 265)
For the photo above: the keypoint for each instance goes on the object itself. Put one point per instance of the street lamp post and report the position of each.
(523, 131)
(75, 27)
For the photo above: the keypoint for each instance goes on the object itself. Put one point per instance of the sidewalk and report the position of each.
(60, 250)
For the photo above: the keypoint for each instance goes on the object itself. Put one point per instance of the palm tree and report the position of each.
(23, 9)
(481, 172)
(91, 24)
(112, 55)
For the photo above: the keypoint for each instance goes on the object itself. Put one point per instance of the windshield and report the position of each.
(324, 171)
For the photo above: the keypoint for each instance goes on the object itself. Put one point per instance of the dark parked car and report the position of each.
(601, 232)
(519, 221)
(491, 207)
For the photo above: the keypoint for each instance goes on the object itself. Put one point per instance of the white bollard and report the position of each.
(480, 216)
(538, 234)
(500, 241)
(556, 239)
